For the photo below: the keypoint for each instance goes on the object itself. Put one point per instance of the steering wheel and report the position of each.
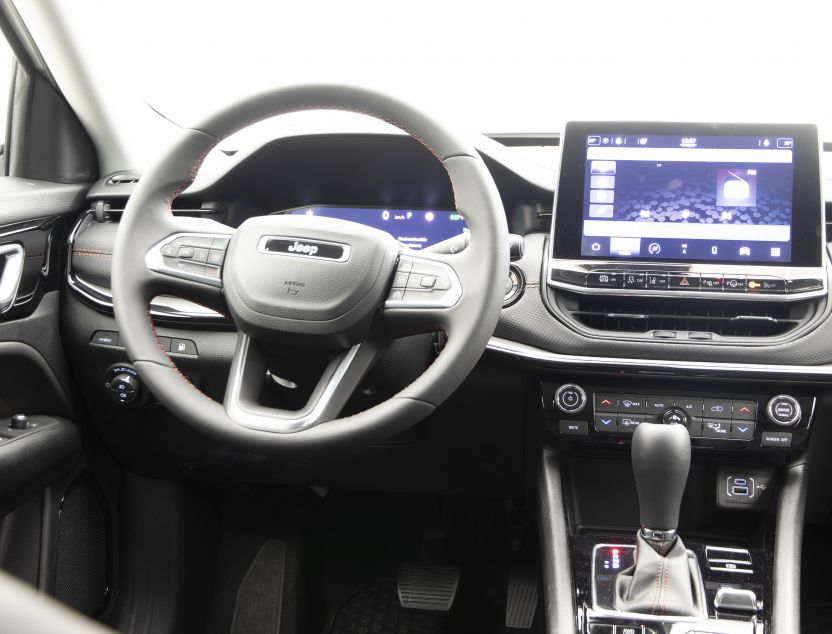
(312, 282)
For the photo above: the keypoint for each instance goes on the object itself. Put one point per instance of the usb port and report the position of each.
(739, 491)
(741, 482)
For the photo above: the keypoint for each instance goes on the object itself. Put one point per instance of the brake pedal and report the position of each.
(427, 587)
(521, 598)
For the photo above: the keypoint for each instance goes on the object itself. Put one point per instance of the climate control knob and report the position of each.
(570, 398)
(675, 416)
(783, 410)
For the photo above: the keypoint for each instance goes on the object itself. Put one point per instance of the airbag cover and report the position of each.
(307, 276)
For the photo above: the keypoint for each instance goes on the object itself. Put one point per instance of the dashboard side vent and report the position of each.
(657, 315)
(123, 178)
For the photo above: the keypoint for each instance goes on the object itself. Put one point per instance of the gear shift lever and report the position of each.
(661, 461)
(664, 580)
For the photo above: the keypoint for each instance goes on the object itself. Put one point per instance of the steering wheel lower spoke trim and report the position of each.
(336, 385)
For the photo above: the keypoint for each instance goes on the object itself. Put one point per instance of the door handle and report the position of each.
(13, 257)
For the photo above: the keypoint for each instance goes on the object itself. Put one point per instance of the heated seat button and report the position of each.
(745, 410)
(716, 429)
(604, 279)
(683, 281)
(717, 408)
(606, 422)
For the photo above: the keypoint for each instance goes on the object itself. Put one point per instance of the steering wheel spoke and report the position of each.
(334, 388)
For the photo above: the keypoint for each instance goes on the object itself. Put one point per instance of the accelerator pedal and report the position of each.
(521, 597)
(427, 587)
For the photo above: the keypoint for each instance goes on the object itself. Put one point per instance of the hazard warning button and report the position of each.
(683, 281)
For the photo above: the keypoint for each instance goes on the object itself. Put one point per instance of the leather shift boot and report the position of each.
(668, 584)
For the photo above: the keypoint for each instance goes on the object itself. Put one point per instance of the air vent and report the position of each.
(665, 315)
(123, 178)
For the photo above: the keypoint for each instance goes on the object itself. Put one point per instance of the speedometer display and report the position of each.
(414, 228)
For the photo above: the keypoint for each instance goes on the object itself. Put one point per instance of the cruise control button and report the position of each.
(606, 422)
(606, 402)
(186, 266)
(573, 427)
(711, 283)
(776, 439)
(634, 280)
(742, 431)
(200, 254)
(683, 281)
(716, 429)
(604, 279)
(766, 285)
(733, 283)
(717, 408)
(405, 265)
(655, 280)
(195, 241)
(745, 410)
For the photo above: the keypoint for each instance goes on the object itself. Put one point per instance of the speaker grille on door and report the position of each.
(82, 578)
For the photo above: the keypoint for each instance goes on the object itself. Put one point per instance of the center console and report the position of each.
(701, 235)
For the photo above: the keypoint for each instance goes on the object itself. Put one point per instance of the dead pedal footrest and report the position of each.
(427, 587)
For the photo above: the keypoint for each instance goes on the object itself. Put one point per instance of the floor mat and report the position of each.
(816, 619)
(375, 609)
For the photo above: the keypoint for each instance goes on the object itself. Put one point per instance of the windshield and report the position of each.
(503, 68)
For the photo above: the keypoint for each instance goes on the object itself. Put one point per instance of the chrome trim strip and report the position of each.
(581, 267)
(161, 306)
(282, 421)
(12, 271)
(530, 353)
(345, 254)
(606, 612)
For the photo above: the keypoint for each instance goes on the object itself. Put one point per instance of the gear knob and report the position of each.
(661, 461)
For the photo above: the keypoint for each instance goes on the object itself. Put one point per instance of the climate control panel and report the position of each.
(748, 421)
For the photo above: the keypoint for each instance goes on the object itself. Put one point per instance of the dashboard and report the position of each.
(413, 228)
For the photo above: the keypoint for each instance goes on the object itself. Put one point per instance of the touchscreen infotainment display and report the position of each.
(690, 193)
(688, 197)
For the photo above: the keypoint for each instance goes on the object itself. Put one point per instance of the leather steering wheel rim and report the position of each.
(480, 267)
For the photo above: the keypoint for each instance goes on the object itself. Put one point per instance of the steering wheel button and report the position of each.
(200, 254)
(442, 284)
(213, 272)
(216, 257)
(405, 265)
(170, 251)
(400, 279)
(428, 281)
(411, 295)
(186, 252)
(189, 267)
(396, 295)
(220, 243)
